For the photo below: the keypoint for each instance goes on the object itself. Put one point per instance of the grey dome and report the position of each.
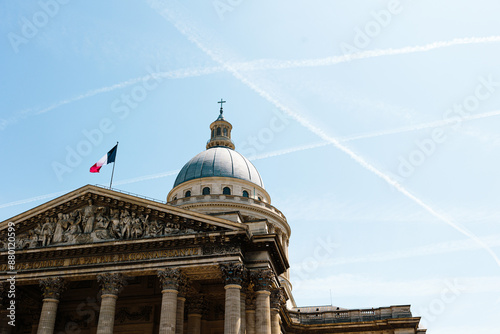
(219, 161)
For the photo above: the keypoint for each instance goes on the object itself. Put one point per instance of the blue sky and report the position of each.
(374, 125)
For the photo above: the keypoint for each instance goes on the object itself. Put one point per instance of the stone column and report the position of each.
(233, 277)
(243, 312)
(181, 301)
(111, 285)
(250, 312)
(262, 281)
(51, 290)
(169, 279)
(195, 310)
(277, 302)
(5, 328)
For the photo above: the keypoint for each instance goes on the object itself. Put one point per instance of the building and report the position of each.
(213, 259)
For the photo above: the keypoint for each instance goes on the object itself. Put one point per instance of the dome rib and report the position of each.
(222, 162)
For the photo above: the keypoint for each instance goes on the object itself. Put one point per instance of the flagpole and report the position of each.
(113, 172)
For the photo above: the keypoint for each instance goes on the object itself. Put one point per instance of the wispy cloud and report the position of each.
(187, 27)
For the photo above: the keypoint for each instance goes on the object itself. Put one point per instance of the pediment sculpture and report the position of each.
(94, 223)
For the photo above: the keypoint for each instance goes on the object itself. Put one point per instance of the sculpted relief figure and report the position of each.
(114, 227)
(89, 213)
(61, 226)
(126, 224)
(47, 231)
(136, 226)
(101, 227)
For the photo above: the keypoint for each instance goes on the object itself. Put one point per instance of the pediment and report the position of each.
(93, 214)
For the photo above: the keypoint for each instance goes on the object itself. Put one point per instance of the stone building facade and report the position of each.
(212, 259)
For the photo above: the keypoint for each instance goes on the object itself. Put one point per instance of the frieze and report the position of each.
(96, 223)
(111, 258)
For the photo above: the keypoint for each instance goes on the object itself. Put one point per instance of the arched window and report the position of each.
(225, 132)
(226, 191)
(260, 199)
(245, 193)
(213, 132)
(188, 193)
(175, 198)
(206, 191)
(218, 131)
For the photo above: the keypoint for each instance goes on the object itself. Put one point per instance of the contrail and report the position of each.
(284, 151)
(148, 177)
(32, 199)
(180, 22)
(368, 135)
(261, 64)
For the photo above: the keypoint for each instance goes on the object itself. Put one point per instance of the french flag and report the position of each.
(107, 159)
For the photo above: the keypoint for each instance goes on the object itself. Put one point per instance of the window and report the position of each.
(218, 131)
(206, 191)
(260, 199)
(213, 132)
(175, 198)
(245, 193)
(188, 193)
(225, 132)
(226, 191)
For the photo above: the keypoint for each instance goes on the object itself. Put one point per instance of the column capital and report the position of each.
(262, 279)
(169, 278)
(111, 283)
(196, 305)
(183, 284)
(52, 287)
(233, 273)
(277, 298)
(250, 301)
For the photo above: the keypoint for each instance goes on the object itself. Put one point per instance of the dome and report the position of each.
(220, 162)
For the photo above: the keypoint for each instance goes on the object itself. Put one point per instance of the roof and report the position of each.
(221, 162)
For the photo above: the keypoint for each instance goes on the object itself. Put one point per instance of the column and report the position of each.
(51, 290)
(5, 328)
(195, 310)
(111, 285)
(262, 281)
(233, 274)
(169, 279)
(250, 312)
(243, 311)
(181, 301)
(277, 302)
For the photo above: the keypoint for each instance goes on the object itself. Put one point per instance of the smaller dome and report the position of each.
(222, 162)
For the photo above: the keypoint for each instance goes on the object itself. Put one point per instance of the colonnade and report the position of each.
(247, 311)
